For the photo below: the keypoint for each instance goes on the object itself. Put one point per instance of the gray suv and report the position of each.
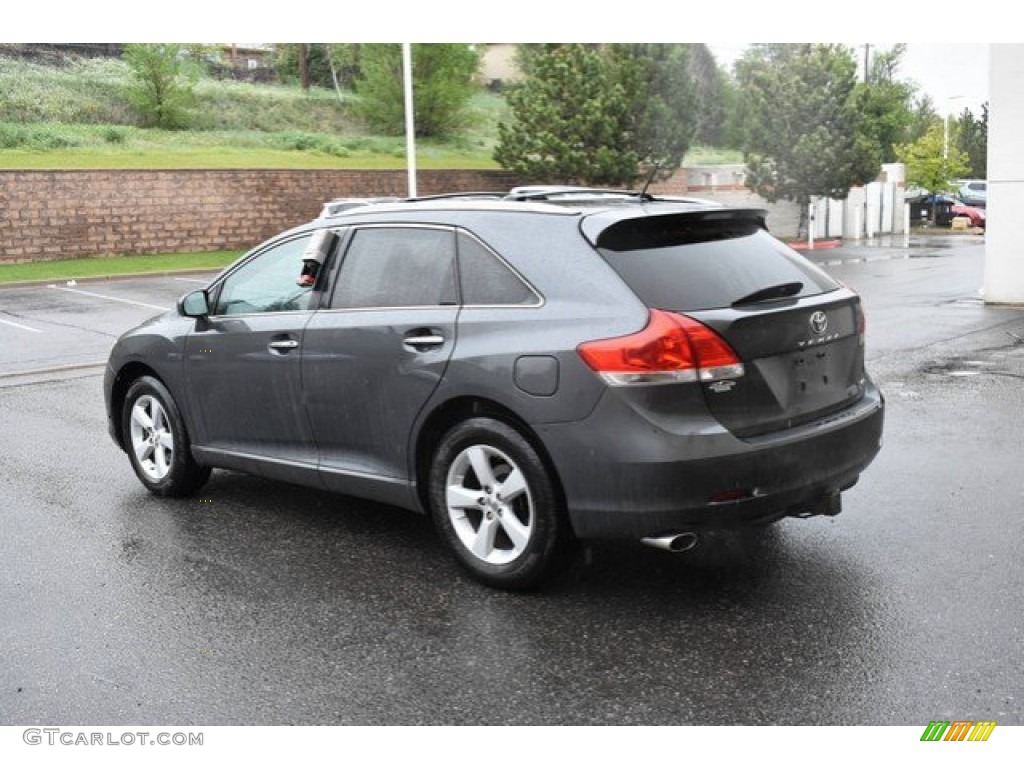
(525, 370)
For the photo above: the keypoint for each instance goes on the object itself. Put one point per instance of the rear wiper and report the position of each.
(780, 291)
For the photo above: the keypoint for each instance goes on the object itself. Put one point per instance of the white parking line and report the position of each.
(19, 325)
(110, 298)
(192, 280)
(52, 369)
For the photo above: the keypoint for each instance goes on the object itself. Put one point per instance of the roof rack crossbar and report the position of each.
(548, 192)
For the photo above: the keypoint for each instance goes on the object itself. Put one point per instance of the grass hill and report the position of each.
(78, 116)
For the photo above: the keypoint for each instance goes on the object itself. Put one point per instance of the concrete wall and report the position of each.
(1004, 250)
(724, 184)
(68, 214)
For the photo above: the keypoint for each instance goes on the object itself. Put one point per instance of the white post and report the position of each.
(857, 223)
(810, 225)
(410, 127)
(945, 124)
(906, 225)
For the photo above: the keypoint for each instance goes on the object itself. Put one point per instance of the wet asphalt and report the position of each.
(262, 603)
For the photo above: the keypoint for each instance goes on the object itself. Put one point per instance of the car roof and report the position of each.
(524, 198)
(593, 217)
(578, 205)
(449, 204)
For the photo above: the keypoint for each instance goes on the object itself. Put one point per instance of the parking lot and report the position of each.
(58, 327)
(263, 603)
(69, 324)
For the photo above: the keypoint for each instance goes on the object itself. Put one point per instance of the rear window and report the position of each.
(689, 264)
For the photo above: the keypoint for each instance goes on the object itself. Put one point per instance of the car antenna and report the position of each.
(650, 178)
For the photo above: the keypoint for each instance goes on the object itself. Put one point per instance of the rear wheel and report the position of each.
(157, 441)
(494, 502)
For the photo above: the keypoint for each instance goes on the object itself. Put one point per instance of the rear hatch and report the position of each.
(798, 333)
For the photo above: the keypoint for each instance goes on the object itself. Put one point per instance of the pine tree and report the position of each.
(803, 136)
(571, 119)
(599, 114)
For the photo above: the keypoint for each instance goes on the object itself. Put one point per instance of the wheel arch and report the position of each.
(457, 410)
(128, 374)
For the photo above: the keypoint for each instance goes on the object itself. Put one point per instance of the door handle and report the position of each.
(427, 340)
(283, 345)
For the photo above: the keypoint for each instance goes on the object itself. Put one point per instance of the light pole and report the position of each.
(410, 127)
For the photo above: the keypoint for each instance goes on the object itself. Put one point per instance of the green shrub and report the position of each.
(39, 137)
(442, 81)
(162, 83)
(113, 134)
(11, 136)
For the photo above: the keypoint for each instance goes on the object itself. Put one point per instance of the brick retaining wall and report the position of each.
(69, 214)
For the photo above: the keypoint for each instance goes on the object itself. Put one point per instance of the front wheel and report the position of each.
(157, 441)
(495, 503)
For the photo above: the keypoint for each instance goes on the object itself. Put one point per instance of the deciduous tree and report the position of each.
(932, 163)
(885, 104)
(443, 82)
(162, 83)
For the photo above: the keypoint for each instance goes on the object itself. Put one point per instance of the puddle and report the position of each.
(960, 367)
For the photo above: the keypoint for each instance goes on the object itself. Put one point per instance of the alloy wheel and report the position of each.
(151, 437)
(489, 504)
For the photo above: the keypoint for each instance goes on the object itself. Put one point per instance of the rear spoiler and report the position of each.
(611, 229)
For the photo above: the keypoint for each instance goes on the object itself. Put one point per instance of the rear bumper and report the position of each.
(627, 477)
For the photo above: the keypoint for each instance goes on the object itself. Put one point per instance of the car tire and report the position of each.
(157, 442)
(496, 505)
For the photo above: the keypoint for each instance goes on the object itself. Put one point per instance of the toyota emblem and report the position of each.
(819, 322)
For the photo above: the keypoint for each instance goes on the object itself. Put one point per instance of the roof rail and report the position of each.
(548, 192)
(456, 195)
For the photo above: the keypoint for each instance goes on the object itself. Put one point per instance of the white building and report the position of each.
(1004, 247)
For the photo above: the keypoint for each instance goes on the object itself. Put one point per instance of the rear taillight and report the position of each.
(861, 323)
(672, 348)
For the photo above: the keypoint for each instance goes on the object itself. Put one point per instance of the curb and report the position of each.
(108, 278)
(806, 246)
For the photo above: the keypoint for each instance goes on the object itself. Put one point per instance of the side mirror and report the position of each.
(195, 304)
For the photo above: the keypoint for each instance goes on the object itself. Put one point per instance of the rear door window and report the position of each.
(397, 267)
(488, 281)
(689, 264)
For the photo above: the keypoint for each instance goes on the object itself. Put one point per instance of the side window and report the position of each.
(397, 267)
(267, 283)
(486, 280)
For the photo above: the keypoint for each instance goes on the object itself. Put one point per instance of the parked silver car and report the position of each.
(973, 192)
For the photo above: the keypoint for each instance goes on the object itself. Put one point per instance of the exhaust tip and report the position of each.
(673, 542)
